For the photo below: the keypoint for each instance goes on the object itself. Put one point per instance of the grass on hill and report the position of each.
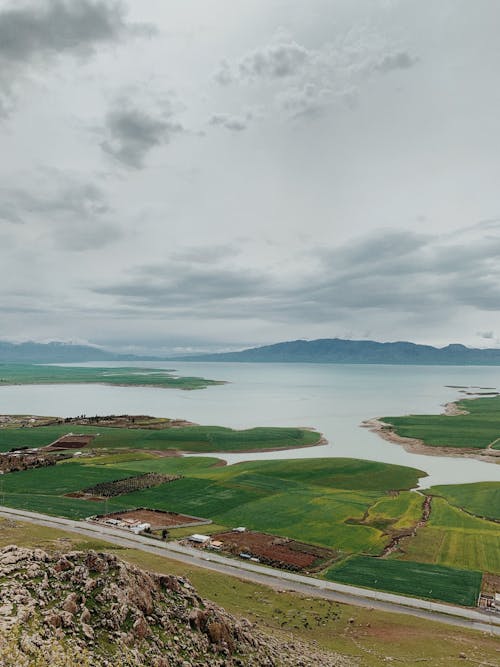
(310, 500)
(476, 430)
(433, 582)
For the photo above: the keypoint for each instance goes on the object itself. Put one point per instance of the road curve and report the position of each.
(458, 616)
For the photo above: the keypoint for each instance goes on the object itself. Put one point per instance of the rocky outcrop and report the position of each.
(95, 605)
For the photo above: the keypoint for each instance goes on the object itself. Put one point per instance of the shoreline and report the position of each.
(212, 383)
(387, 432)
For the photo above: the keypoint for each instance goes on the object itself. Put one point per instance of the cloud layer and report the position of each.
(235, 173)
(403, 273)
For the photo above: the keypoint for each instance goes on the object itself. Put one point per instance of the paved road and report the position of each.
(434, 611)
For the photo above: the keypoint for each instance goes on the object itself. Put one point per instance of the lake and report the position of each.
(332, 398)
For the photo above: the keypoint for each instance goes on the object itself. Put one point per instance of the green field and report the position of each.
(203, 439)
(409, 578)
(479, 498)
(352, 506)
(456, 539)
(311, 500)
(476, 430)
(396, 512)
(130, 377)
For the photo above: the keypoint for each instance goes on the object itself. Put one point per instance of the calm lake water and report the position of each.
(331, 398)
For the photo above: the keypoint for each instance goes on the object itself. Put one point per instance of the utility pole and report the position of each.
(1, 487)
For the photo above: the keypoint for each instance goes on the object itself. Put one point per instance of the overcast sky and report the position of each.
(212, 174)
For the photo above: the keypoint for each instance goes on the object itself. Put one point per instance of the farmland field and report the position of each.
(350, 506)
(409, 578)
(456, 539)
(275, 551)
(130, 377)
(184, 438)
(481, 498)
(308, 500)
(396, 512)
(476, 430)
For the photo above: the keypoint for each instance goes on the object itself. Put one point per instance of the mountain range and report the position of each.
(323, 350)
(57, 352)
(340, 351)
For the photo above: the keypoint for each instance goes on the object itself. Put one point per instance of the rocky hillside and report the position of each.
(93, 610)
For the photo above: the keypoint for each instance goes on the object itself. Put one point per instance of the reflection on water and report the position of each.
(332, 398)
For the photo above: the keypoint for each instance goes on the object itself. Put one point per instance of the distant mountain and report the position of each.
(339, 351)
(59, 353)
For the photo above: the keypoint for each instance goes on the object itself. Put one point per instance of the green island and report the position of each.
(149, 433)
(363, 520)
(15, 373)
(472, 426)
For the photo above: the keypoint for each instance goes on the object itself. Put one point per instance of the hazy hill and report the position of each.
(339, 351)
(59, 352)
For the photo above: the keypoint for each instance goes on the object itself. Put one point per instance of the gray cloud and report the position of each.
(185, 287)
(32, 34)
(278, 60)
(73, 212)
(76, 199)
(233, 123)
(274, 61)
(307, 100)
(223, 74)
(306, 81)
(202, 254)
(400, 272)
(394, 61)
(57, 26)
(131, 132)
(9, 212)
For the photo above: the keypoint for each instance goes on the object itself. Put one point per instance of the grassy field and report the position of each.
(310, 500)
(397, 513)
(475, 430)
(354, 507)
(433, 582)
(130, 377)
(367, 634)
(456, 539)
(479, 498)
(186, 438)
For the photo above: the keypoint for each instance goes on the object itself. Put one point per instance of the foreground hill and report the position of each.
(57, 352)
(88, 608)
(339, 351)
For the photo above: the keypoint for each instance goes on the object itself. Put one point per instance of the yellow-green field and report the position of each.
(456, 539)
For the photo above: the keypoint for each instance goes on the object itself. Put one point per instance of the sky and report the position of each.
(188, 176)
